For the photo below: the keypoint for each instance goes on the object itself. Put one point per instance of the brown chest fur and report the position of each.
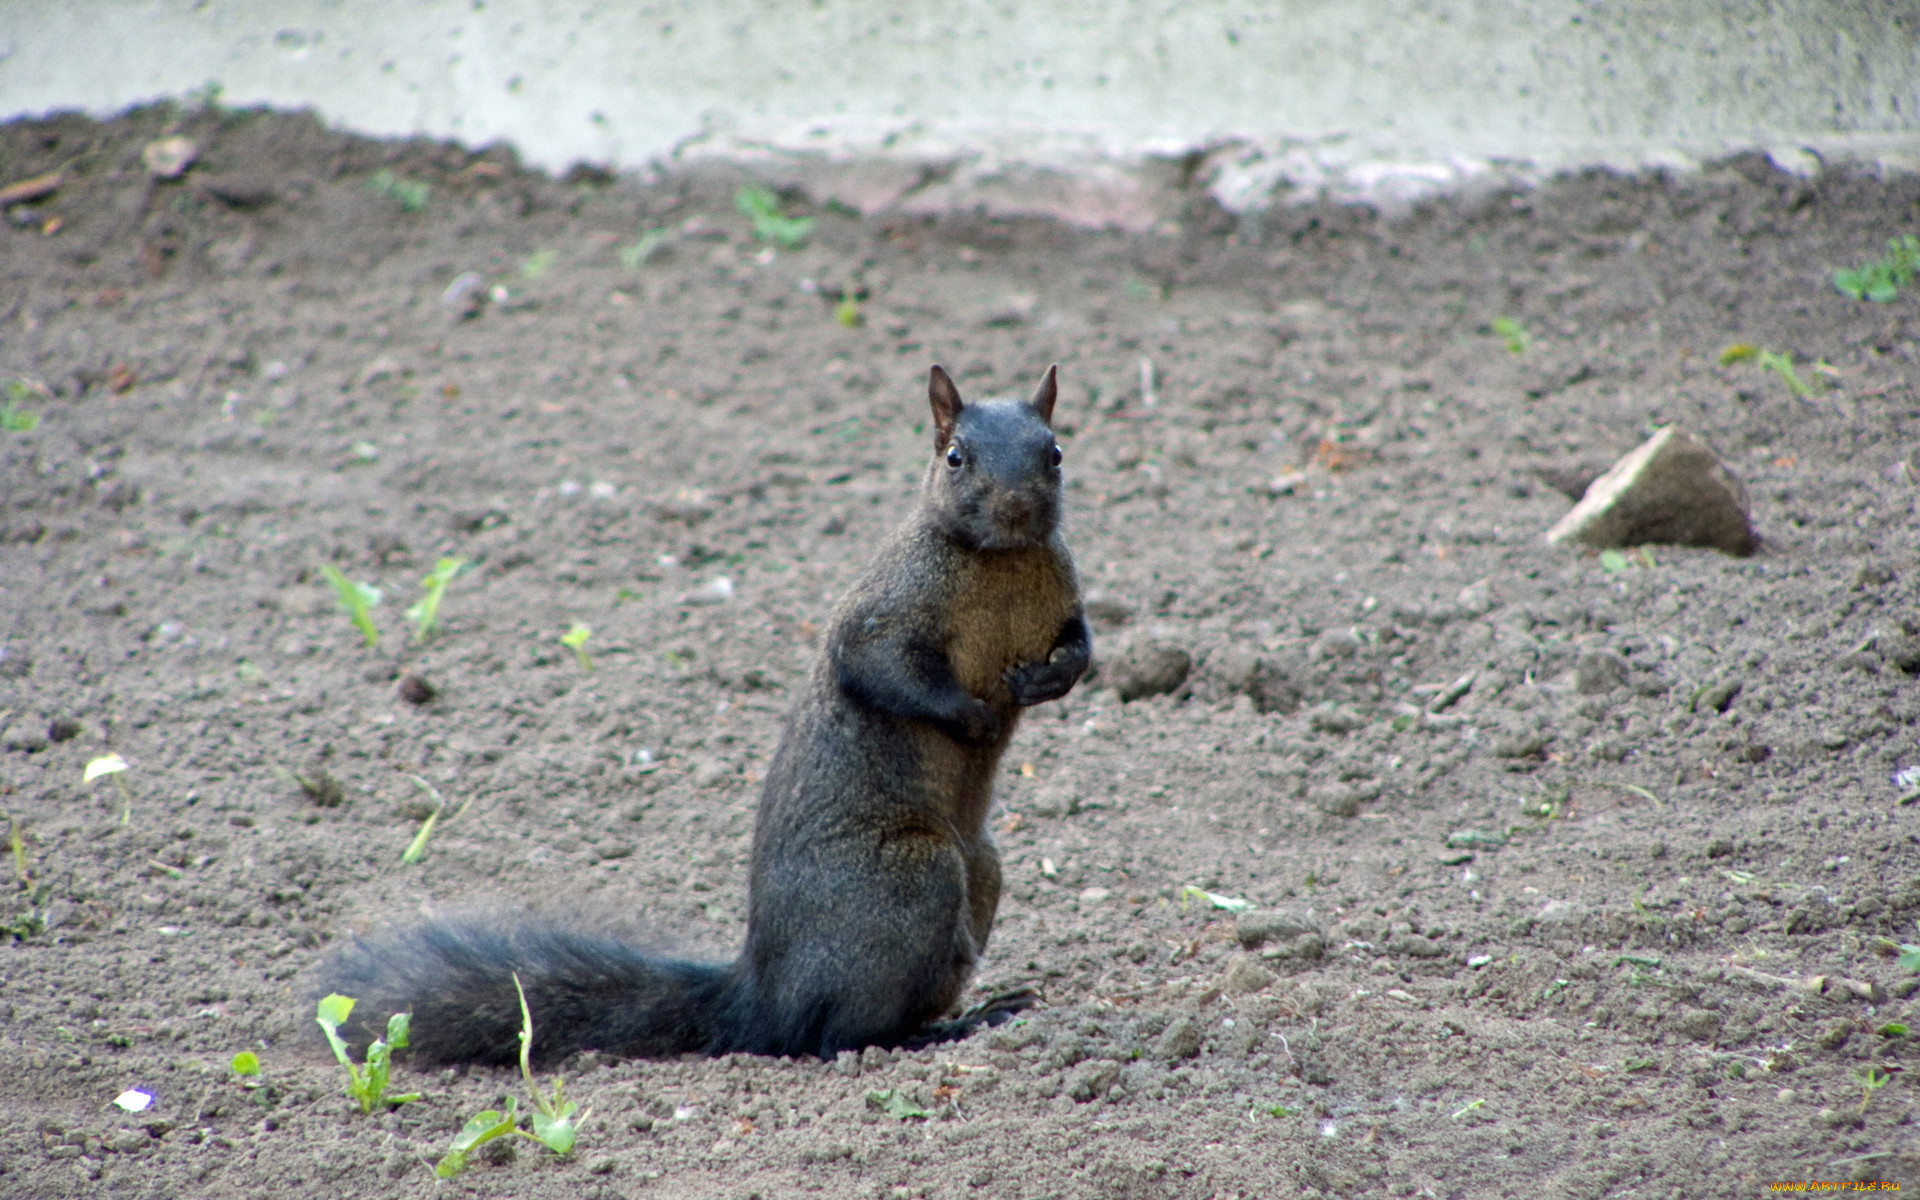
(1005, 609)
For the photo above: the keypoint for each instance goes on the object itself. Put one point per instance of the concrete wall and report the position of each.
(1357, 97)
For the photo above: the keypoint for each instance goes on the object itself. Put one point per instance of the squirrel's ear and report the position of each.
(945, 399)
(1044, 395)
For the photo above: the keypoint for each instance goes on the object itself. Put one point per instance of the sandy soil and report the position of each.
(1618, 920)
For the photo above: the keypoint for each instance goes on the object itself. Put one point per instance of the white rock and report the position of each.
(1671, 490)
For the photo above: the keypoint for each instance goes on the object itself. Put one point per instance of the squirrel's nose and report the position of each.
(1013, 511)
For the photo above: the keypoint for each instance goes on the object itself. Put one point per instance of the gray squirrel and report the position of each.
(873, 882)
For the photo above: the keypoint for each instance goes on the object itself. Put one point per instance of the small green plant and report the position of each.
(480, 1129)
(847, 313)
(1909, 953)
(410, 194)
(1283, 1110)
(1873, 1077)
(897, 1105)
(32, 922)
(13, 418)
(425, 612)
(575, 639)
(357, 599)
(1739, 352)
(1468, 1107)
(417, 849)
(18, 845)
(1514, 333)
(554, 1123)
(112, 765)
(771, 225)
(553, 1120)
(1615, 561)
(1782, 365)
(245, 1064)
(637, 254)
(537, 264)
(1882, 279)
(366, 1084)
(1231, 904)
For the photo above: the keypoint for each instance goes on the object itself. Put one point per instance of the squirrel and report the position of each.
(873, 881)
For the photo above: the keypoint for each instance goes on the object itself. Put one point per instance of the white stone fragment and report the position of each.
(1671, 491)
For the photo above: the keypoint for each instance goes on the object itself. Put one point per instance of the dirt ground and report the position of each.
(1620, 919)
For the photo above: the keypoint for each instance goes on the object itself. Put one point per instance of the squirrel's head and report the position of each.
(994, 483)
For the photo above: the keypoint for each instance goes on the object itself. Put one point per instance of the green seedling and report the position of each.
(246, 1064)
(1909, 953)
(18, 845)
(847, 313)
(575, 639)
(1873, 1077)
(417, 849)
(479, 1130)
(13, 418)
(32, 922)
(554, 1123)
(1782, 365)
(553, 1117)
(410, 194)
(365, 1083)
(1514, 333)
(1615, 561)
(1739, 352)
(896, 1105)
(1882, 279)
(1464, 1109)
(357, 599)
(1283, 1110)
(425, 612)
(639, 253)
(1232, 904)
(112, 765)
(537, 264)
(1892, 1029)
(770, 225)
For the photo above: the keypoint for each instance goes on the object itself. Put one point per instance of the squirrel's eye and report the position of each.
(1056, 454)
(953, 456)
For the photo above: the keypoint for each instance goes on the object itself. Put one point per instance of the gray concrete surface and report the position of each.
(1292, 98)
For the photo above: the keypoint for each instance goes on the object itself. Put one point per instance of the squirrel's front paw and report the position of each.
(1038, 682)
(976, 722)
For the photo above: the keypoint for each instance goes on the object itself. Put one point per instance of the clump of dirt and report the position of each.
(1560, 870)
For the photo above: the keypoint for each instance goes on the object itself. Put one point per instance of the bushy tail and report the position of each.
(585, 993)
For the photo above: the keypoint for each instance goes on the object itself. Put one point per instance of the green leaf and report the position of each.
(537, 264)
(332, 1014)
(358, 599)
(770, 225)
(397, 1027)
(417, 848)
(1515, 334)
(637, 254)
(425, 612)
(480, 1129)
(1739, 352)
(555, 1131)
(897, 1106)
(1613, 562)
(1232, 904)
(245, 1063)
(1909, 957)
(575, 639)
(1892, 1029)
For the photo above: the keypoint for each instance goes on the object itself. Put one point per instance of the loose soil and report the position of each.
(1620, 919)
